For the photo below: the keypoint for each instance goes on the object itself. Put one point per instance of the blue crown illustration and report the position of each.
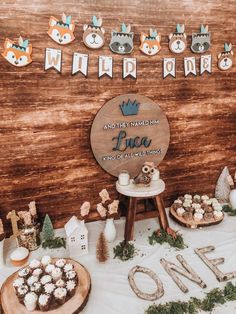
(129, 108)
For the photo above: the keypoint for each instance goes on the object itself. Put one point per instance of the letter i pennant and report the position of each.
(53, 59)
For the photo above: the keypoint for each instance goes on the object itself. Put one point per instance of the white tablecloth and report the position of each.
(111, 293)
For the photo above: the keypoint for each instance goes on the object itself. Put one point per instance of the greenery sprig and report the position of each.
(229, 210)
(54, 243)
(194, 305)
(161, 236)
(124, 251)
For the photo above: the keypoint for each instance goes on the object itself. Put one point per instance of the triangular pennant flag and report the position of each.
(105, 66)
(168, 67)
(80, 64)
(129, 67)
(53, 59)
(205, 64)
(190, 66)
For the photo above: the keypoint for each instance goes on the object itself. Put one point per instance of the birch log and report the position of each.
(212, 263)
(142, 295)
(187, 272)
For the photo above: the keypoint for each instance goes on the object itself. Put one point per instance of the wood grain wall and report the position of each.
(45, 117)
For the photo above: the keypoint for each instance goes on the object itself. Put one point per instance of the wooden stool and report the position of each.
(136, 193)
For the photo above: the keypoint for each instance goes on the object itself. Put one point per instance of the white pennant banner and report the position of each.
(53, 58)
(105, 66)
(168, 67)
(80, 64)
(129, 67)
(205, 64)
(190, 66)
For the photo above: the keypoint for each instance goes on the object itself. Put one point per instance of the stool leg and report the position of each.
(164, 224)
(162, 213)
(130, 217)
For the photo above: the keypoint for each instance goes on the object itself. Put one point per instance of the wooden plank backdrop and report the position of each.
(46, 117)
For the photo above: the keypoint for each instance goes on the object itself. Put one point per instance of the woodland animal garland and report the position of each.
(121, 42)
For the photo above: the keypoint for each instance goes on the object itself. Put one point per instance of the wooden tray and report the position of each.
(11, 305)
(192, 223)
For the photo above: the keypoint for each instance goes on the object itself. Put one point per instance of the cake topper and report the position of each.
(18, 54)
(150, 43)
(93, 36)
(61, 31)
(225, 58)
(178, 39)
(122, 42)
(201, 42)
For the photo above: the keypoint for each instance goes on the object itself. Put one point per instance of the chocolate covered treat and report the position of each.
(60, 263)
(44, 302)
(188, 216)
(21, 292)
(45, 279)
(36, 287)
(49, 288)
(71, 287)
(24, 272)
(30, 301)
(60, 295)
(34, 264)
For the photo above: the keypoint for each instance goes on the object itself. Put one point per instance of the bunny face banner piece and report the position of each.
(225, 58)
(62, 32)
(17, 54)
(150, 43)
(201, 42)
(93, 36)
(178, 39)
(122, 42)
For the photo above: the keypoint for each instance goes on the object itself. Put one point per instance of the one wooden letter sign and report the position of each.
(53, 59)
(189, 66)
(187, 272)
(212, 263)
(205, 64)
(142, 295)
(105, 65)
(168, 67)
(80, 64)
(129, 67)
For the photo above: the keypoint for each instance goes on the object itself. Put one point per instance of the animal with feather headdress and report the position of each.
(93, 36)
(225, 58)
(122, 42)
(150, 43)
(18, 54)
(62, 31)
(178, 39)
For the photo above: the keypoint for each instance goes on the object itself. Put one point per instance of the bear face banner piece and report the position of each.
(178, 39)
(122, 42)
(62, 32)
(18, 54)
(201, 42)
(93, 36)
(225, 58)
(150, 43)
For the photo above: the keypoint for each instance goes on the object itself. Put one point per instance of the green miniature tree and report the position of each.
(47, 231)
(48, 237)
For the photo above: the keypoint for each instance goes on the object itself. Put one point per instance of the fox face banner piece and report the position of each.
(201, 42)
(18, 54)
(225, 58)
(178, 39)
(122, 42)
(93, 36)
(150, 43)
(62, 32)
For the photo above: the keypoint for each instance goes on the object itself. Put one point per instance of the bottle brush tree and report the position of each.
(102, 249)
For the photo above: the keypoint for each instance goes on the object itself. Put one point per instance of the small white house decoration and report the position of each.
(77, 237)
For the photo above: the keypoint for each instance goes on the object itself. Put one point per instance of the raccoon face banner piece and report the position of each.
(150, 43)
(178, 40)
(62, 32)
(18, 54)
(93, 36)
(122, 42)
(201, 42)
(225, 58)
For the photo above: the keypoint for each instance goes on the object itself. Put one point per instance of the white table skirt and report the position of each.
(111, 292)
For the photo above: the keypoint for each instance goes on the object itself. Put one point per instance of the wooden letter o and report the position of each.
(146, 296)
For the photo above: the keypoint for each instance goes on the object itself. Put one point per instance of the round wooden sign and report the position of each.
(127, 131)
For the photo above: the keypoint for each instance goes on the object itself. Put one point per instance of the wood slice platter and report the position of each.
(11, 305)
(192, 223)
